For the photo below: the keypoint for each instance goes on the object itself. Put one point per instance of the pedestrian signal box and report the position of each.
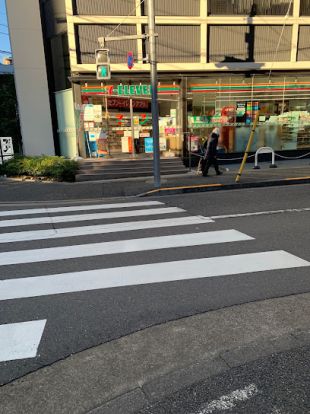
(103, 69)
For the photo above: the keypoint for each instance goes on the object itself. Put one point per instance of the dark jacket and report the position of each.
(211, 146)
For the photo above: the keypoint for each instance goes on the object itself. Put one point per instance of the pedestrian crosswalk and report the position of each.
(113, 229)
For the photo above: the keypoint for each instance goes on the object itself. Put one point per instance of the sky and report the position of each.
(4, 38)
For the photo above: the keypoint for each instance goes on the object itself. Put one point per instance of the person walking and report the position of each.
(210, 147)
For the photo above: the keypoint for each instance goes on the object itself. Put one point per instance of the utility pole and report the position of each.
(103, 72)
(154, 83)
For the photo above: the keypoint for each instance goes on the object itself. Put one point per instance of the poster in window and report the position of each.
(88, 112)
(240, 112)
(97, 113)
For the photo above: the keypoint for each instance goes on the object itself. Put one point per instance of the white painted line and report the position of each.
(122, 246)
(144, 274)
(101, 229)
(20, 340)
(92, 216)
(276, 410)
(227, 402)
(86, 207)
(261, 213)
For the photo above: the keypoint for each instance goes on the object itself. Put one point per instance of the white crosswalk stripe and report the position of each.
(21, 339)
(28, 287)
(86, 207)
(122, 246)
(87, 217)
(101, 229)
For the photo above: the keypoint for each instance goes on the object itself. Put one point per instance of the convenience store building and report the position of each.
(218, 62)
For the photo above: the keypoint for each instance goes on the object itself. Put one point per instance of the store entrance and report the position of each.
(129, 128)
(121, 126)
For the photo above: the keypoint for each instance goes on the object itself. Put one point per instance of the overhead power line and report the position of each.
(125, 19)
(280, 37)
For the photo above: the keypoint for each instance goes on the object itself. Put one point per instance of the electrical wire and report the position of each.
(280, 38)
(129, 15)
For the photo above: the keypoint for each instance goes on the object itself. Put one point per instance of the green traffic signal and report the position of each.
(103, 71)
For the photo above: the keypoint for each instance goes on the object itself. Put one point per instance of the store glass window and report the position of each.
(281, 103)
(117, 120)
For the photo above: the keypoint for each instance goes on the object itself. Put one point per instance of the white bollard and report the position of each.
(264, 150)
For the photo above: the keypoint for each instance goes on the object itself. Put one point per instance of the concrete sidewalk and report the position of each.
(130, 373)
(288, 172)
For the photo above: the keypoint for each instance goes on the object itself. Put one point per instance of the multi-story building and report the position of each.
(219, 61)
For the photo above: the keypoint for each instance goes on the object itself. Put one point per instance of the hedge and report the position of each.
(56, 168)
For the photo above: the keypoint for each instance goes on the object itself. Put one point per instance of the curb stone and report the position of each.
(150, 393)
(218, 187)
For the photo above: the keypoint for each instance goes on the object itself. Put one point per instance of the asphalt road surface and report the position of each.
(275, 385)
(74, 275)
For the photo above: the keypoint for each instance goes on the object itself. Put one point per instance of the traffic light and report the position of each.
(103, 69)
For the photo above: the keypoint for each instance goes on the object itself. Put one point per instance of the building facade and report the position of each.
(219, 63)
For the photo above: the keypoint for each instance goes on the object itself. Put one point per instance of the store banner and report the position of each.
(122, 103)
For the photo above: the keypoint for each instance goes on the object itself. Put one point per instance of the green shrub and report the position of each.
(57, 168)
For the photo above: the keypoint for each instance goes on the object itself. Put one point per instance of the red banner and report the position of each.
(124, 103)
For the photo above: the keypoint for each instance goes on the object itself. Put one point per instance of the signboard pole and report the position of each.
(107, 123)
(132, 129)
(154, 84)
